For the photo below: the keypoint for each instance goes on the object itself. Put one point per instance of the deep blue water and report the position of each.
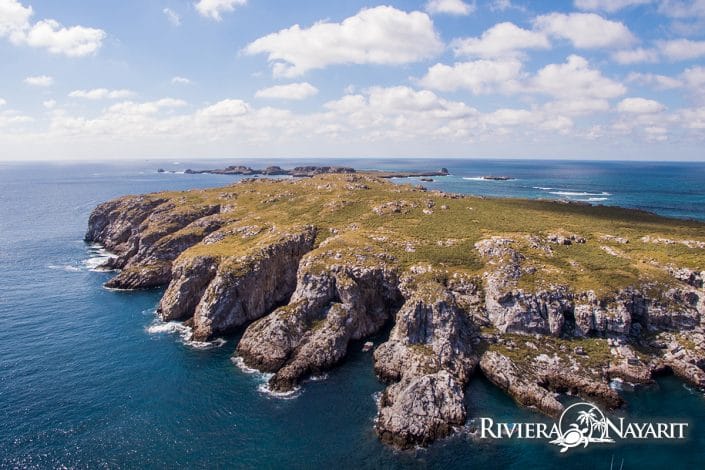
(84, 384)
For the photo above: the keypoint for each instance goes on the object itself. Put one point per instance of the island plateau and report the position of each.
(540, 297)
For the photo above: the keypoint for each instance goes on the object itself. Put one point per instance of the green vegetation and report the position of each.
(360, 215)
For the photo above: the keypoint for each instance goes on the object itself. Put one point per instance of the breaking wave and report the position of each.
(185, 334)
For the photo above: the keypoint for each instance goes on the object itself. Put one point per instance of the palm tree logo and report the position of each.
(589, 425)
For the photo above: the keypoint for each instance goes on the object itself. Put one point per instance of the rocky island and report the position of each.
(309, 171)
(540, 297)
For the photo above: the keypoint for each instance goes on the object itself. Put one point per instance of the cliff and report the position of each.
(540, 297)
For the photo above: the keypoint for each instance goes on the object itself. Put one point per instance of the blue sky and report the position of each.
(599, 79)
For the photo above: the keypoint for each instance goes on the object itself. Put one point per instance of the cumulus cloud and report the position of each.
(450, 7)
(381, 35)
(479, 76)
(74, 41)
(49, 104)
(213, 9)
(577, 106)
(682, 8)
(292, 91)
(14, 19)
(585, 30)
(673, 50)
(635, 56)
(180, 81)
(40, 80)
(101, 94)
(2, 102)
(639, 106)
(172, 16)
(575, 79)
(682, 49)
(502, 39)
(660, 82)
(610, 6)
(146, 108)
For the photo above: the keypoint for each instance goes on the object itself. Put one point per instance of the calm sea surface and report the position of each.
(88, 379)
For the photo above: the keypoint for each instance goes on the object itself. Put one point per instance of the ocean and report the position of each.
(89, 379)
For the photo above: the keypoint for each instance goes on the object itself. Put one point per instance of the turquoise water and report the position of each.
(85, 384)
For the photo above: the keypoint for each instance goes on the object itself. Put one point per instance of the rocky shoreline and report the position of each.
(307, 266)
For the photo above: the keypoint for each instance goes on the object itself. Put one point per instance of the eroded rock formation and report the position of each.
(308, 266)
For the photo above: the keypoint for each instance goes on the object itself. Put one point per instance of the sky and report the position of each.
(122, 79)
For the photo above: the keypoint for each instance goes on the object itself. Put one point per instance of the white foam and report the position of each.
(68, 268)
(159, 327)
(99, 256)
(475, 178)
(617, 384)
(240, 363)
(543, 188)
(264, 389)
(317, 378)
(597, 199)
(185, 333)
(579, 193)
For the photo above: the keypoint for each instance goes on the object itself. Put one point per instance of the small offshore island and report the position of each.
(538, 296)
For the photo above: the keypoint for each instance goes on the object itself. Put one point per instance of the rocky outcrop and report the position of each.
(247, 287)
(511, 309)
(147, 234)
(308, 266)
(428, 360)
(523, 387)
(327, 310)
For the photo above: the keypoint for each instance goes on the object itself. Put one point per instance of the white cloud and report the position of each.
(635, 56)
(682, 8)
(49, 104)
(694, 80)
(14, 18)
(450, 7)
(130, 108)
(639, 106)
(575, 79)
(172, 16)
(11, 118)
(610, 6)
(180, 81)
(74, 41)
(509, 117)
(292, 91)
(585, 30)
(214, 9)
(101, 94)
(2, 102)
(224, 111)
(577, 106)
(661, 82)
(682, 49)
(694, 76)
(40, 80)
(502, 5)
(502, 39)
(381, 35)
(480, 76)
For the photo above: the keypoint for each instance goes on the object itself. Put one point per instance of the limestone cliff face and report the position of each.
(327, 311)
(307, 267)
(246, 288)
(428, 360)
